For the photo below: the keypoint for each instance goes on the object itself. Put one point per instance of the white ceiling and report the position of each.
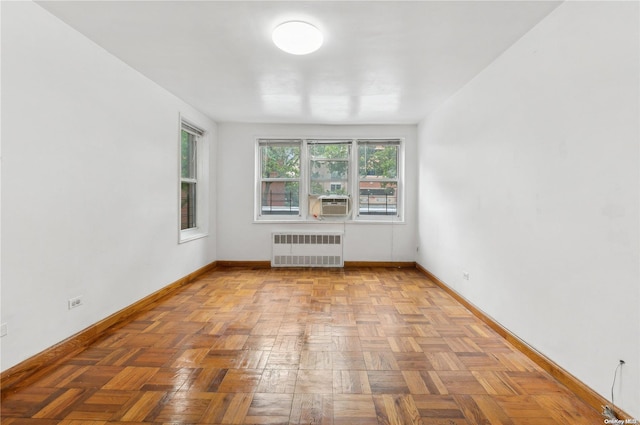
(381, 62)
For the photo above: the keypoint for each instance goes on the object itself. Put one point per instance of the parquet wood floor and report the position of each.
(304, 346)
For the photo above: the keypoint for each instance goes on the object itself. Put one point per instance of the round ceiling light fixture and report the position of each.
(297, 37)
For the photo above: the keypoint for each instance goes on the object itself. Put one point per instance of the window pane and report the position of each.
(188, 155)
(378, 161)
(280, 197)
(329, 151)
(329, 170)
(188, 206)
(378, 198)
(280, 161)
(329, 187)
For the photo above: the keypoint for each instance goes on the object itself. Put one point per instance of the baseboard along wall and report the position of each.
(32, 368)
(572, 383)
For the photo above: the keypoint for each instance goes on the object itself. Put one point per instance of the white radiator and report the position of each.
(306, 249)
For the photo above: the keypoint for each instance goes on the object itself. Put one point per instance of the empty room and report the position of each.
(320, 212)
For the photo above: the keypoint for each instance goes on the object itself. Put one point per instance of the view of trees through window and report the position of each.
(378, 178)
(280, 191)
(331, 168)
(188, 181)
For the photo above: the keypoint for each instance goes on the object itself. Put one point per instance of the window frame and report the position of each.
(200, 180)
(398, 180)
(352, 183)
(260, 179)
(346, 183)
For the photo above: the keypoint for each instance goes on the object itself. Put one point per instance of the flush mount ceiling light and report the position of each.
(297, 37)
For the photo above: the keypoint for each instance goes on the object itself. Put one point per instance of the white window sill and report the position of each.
(191, 235)
(328, 221)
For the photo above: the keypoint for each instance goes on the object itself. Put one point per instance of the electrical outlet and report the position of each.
(75, 302)
(3, 330)
(465, 275)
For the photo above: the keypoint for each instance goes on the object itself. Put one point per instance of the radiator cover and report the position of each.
(298, 249)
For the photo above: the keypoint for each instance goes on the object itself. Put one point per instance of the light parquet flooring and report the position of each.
(303, 346)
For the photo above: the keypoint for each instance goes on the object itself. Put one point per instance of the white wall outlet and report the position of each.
(75, 302)
(465, 275)
(3, 330)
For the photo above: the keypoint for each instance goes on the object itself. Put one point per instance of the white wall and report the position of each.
(240, 238)
(89, 183)
(529, 181)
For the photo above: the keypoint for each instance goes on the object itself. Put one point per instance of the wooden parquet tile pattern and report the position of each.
(300, 346)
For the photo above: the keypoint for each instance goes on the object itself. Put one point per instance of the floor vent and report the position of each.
(307, 250)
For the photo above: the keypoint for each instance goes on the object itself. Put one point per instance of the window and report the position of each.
(329, 167)
(280, 177)
(193, 170)
(297, 178)
(188, 180)
(378, 177)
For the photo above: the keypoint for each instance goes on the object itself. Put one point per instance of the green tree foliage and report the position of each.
(187, 168)
(329, 163)
(380, 161)
(187, 155)
(329, 151)
(281, 161)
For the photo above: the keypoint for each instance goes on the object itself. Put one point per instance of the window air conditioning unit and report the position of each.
(334, 205)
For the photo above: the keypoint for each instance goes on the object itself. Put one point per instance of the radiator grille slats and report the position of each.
(307, 260)
(307, 239)
(307, 250)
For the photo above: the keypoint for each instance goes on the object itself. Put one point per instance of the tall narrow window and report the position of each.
(188, 178)
(194, 182)
(280, 177)
(378, 177)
